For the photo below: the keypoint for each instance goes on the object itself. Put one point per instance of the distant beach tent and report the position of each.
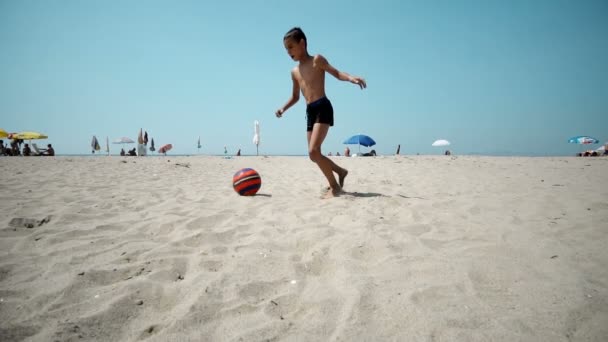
(256, 136)
(165, 148)
(440, 142)
(123, 140)
(3, 134)
(95, 145)
(583, 140)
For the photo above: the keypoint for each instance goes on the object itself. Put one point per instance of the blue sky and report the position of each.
(492, 77)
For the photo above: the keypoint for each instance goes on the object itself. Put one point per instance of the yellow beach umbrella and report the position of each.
(29, 136)
(3, 134)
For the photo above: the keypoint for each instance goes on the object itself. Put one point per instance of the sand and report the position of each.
(420, 248)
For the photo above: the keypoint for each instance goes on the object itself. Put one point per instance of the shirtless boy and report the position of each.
(309, 78)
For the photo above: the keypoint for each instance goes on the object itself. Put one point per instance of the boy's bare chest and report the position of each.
(308, 74)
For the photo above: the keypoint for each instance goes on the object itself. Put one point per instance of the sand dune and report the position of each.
(419, 248)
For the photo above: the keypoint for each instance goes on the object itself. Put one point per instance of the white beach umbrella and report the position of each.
(123, 140)
(256, 135)
(441, 142)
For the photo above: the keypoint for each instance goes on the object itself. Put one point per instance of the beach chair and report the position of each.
(39, 151)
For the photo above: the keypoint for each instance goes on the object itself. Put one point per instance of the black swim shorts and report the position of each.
(319, 111)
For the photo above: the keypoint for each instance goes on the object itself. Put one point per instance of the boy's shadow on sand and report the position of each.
(362, 194)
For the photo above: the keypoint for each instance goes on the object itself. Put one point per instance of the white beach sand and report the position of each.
(423, 248)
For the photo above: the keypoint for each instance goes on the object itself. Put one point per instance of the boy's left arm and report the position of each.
(322, 63)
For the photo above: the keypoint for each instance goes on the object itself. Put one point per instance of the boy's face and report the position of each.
(295, 50)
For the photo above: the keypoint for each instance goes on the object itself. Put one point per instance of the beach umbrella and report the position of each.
(256, 136)
(152, 145)
(3, 134)
(583, 140)
(440, 142)
(123, 140)
(165, 148)
(28, 136)
(361, 140)
(95, 145)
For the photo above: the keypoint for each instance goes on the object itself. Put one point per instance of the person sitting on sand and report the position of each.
(26, 150)
(122, 152)
(50, 151)
(133, 152)
(371, 153)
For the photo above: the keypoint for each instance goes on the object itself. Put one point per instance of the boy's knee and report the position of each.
(314, 155)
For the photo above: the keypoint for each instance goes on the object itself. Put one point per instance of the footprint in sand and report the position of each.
(280, 307)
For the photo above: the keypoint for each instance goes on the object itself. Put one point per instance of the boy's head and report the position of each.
(295, 43)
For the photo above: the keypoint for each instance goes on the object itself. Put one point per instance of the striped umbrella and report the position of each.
(583, 140)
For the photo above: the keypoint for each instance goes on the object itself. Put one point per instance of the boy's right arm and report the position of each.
(295, 96)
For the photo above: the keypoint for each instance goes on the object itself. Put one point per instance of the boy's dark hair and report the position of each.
(296, 34)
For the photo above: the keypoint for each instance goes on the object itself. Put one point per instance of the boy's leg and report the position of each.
(327, 166)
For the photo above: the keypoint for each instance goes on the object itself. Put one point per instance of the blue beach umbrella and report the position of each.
(583, 140)
(360, 139)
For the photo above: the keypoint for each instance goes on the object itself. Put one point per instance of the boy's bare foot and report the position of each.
(341, 177)
(331, 193)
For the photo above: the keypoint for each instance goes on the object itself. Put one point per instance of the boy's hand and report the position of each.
(359, 81)
(279, 112)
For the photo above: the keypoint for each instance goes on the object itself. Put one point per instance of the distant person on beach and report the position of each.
(398, 149)
(26, 150)
(133, 152)
(50, 151)
(347, 152)
(309, 78)
(371, 153)
(1, 147)
(122, 152)
(238, 153)
(15, 148)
